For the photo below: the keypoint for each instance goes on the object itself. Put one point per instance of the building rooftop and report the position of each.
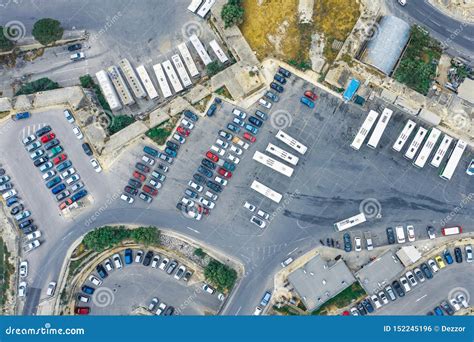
(466, 90)
(316, 281)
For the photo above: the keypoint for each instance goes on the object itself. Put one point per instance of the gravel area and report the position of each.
(184, 248)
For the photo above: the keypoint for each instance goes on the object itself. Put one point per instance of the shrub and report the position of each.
(41, 84)
(47, 31)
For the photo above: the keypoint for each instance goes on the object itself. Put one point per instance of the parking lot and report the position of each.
(135, 285)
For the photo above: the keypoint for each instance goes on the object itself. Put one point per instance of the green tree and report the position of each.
(105, 237)
(86, 81)
(47, 31)
(220, 275)
(213, 68)
(199, 253)
(146, 235)
(119, 122)
(5, 43)
(232, 13)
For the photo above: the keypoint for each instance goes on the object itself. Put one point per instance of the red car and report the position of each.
(150, 190)
(224, 173)
(249, 137)
(183, 131)
(59, 159)
(203, 210)
(82, 310)
(48, 137)
(66, 203)
(309, 94)
(141, 177)
(212, 156)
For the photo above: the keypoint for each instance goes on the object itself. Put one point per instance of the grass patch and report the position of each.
(119, 122)
(6, 270)
(285, 310)
(417, 68)
(160, 133)
(343, 299)
(223, 91)
(201, 105)
(88, 83)
(4, 114)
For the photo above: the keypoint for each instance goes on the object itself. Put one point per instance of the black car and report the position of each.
(147, 258)
(169, 311)
(162, 167)
(446, 307)
(254, 121)
(279, 78)
(187, 276)
(277, 87)
(458, 254)
(205, 171)
(180, 206)
(42, 131)
(361, 309)
(49, 145)
(30, 229)
(390, 235)
(134, 183)
(172, 145)
(142, 167)
(284, 72)
(40, 161)
(199, 178)
(398, 288)
(17, 209)
(214, 186)
(101, 271)
(426, 271)
(87, 149)
(129, 190)
(190, 193)
(208, 163)
(190, 115)
(347, 242)
(74, 47)
(25, 224)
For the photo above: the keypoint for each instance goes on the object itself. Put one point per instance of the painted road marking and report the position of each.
(421, 298)
(194, 230)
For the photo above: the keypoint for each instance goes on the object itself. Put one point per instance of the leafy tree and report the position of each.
(232, 13)
(86, 81)
(47, 31)
(119, 122)
(199, 253)
(5, 43)
(41, 84)
(146, 235)
(220, 275)
(105, 237)
(213, 68)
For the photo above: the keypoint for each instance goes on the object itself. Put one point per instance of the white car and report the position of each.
(402, 2)
(179, 138)
(9, 194)
(32, 245)
(411, 278)
(233, 158)
(258, 222)
(94, 280)
(153, 304)
(221, 180)
(48, 175)
(208, 288)
(126, 198)
(95, 165)
(286, 262)
(258, 311)
(470, 168)
(195, 186)
(108, 265)
(29, 139)
(117, 261)
(405, 284)
(164, 263)
(211, 195)
(187, 124)
(468, 249)
(376, 301)
(220, 296)
(249, 206)
(148, 160)
(77, 56)
(207, 203)
(358, 244)
(462, 299)
(355, 312)
(239, 113)
(68, 116)
(383, 297)
(77, 131)
(139, 256)
(154, 183)
(218, 150)
(433, 265)
(154, 263)
(454, 303)
(22, 289)
(236, 150)
(370, 246)
(68, 172)
(221, 143)
(241, 143)
(72, 179)
(411, 233)
(265, 103)
(187, 202)
(33, 236)
(51, 288)
(160, 309)
(84, 299)
(263, 214)
(23, 269)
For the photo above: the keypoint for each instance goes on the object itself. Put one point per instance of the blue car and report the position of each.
(88, 290)
(251, 129)
(272, 96)
(447, 256)
(307, 102)
(11, 201)
(279, 78)
(233, 128)
(170, 152)
(261, 114)
(78, 195)
(53, 182)
(57, 189)
(284, 72)
(254, 121)
(190, 115)
(128, 256)
(212, 110)
(438, 311)
(150, 151)
(63, 166)
(277, 87)
(205, 171)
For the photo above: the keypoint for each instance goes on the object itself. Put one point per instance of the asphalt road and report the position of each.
(456, 36)
(332, 181)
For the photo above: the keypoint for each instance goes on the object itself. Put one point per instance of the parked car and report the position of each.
(447, 256)
(261, 115)
(426, 271)
(147, 258)
(284, 72)
(190, 115)
(347, 242)
(390, 235)
(411, 233)
(357, 244)
(249, 137)
(277, 87)
(307, 102)
(239, 113)
(264, 103)
(258, 222)
(390, 293)
(254, 121)
(405, 284)
(398, 288)
(468, 250)
(87, 149)
(419, 274)
(310, 95)
(431, 232)
(433, 265)
(68, 115)
(272, 96)
(279, 78)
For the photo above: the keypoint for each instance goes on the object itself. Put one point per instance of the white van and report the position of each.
(400, 234)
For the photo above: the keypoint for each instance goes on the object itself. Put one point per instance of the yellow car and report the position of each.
(440, 262)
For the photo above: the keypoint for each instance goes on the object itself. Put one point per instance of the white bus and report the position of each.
(380, 128)
(132, 78)
(273, 164)
(147, 83)
(218, 51)
(293, 143)
(282, 154)
(448, 170)
(162, 82)
(120, 86)
(182, 73)
(200, 49)
(416, 143)
(205, 8)
(108, 90)
(350, 222)
(188, 60)
(194, 5)
(441, 152)
(266, 191)
(404, 135)
(364, 130)
(427, 148)
(174, 80)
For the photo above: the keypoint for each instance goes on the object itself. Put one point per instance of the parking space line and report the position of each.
(194, 230)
